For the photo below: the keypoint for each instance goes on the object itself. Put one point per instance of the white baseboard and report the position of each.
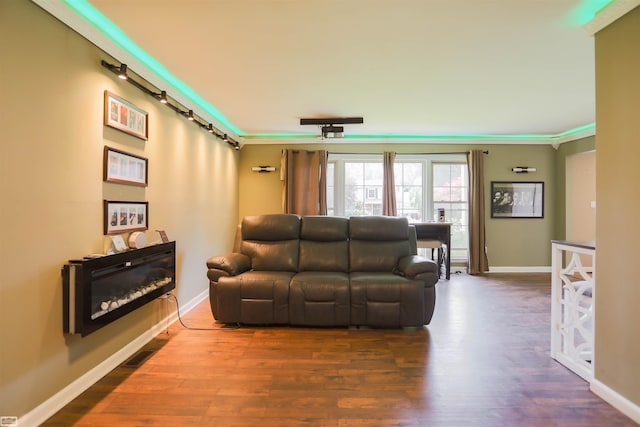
(616, 400)
(525, 269)
(58, 401)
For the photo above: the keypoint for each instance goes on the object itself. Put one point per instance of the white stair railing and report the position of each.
(572, 302)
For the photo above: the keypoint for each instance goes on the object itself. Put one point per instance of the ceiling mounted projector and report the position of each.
(329, 128)
(331, 131)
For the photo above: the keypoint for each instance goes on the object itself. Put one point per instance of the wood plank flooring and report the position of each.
(483, 361)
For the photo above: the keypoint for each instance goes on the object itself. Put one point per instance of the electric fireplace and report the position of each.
(98, 291)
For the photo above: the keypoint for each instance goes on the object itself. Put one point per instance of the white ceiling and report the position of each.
(406, 66)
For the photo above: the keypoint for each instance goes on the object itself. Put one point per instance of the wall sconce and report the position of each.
(523, 169)
(262, 169)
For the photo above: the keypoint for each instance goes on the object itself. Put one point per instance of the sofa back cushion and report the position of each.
(377, 243)
(271, 241)
(324, 244)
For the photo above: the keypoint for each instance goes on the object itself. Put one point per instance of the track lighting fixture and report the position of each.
(122, 74)
(146, 87)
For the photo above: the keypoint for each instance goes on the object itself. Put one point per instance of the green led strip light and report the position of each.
(584, 12)
(477, 136)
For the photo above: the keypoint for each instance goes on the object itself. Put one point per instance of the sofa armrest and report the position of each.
(214, 274)
(232, 264)
(414, 265)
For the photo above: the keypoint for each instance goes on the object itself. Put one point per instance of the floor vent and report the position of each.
(138, 359)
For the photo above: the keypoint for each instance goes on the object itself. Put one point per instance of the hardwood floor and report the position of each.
(483, 361)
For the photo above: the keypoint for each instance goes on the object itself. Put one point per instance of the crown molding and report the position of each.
(609, 14)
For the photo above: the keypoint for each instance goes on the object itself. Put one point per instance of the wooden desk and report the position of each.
(437, 231)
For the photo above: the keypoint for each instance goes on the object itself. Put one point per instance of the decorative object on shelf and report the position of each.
(262, 169)
(522, 169)
(124, 116)
(517, 199)
(163, 236)
(117, 244)
(121, 217)
(137, 240)
(124, 168)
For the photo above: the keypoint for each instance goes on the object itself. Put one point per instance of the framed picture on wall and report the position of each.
(124, 168)
(124, 217)
(517, 199)
(124, 116)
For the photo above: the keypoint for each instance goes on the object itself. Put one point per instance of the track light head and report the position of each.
(163, 97)
(122, 74)
(210, 128)
(190, 115)
(225, 138)
(236, 146)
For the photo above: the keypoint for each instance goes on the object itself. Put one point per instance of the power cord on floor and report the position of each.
(226, 328)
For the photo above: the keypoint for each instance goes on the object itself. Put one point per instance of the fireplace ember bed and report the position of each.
(98, 291)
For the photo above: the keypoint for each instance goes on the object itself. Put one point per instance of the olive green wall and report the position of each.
(51, 152)
(52, 84)
(565, 150)
(512, 243)
(617, 227)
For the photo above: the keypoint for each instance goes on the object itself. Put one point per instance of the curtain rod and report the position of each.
(415, 154)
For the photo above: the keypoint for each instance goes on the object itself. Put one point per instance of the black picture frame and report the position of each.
(125, 168)
(124, 217)
(517, 199)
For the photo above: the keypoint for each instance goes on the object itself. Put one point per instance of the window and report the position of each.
(423, 184)
(354, 186)
(408, 177)
(450, 192)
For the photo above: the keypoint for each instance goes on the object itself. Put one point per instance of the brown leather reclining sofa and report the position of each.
(323, 271)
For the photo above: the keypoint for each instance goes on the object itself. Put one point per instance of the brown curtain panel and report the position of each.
(478, 262)
(389, 207)
(304, 190)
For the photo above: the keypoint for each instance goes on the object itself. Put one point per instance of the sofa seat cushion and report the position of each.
(255, 297)
(386, 300)
(319, 298)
